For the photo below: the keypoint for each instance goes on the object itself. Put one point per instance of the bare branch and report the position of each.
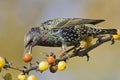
(84, 52)
(77, 52)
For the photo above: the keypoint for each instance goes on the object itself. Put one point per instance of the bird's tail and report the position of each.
(109, 31)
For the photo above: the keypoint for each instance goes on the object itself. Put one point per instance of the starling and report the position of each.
(63, 32)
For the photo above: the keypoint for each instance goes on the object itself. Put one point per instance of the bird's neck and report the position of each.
(42, 35)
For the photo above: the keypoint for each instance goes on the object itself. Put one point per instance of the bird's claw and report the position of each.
(67, 51)
(86, 54)
(88, 57)
(113, 41)
(99, 38)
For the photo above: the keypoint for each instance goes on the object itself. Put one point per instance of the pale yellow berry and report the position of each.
(117, 37)
(22, 77)
(43, 65)
(88, 42)
(62, 65)
(87, 45)
(32, 77)
(89, 39)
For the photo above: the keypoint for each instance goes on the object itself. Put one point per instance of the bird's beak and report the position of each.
(28, 49)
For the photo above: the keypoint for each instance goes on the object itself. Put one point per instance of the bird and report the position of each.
(63, 32)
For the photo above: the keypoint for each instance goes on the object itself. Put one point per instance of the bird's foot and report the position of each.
(67, 51)
(99, 38)
(78, 52)
(85, 54)
(88, 57)
(112, 40)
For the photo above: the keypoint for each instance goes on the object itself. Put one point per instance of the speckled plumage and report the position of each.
(64, 31)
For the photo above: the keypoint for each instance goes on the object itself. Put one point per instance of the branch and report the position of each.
(24, 69)
(77, 52)
(84, 52)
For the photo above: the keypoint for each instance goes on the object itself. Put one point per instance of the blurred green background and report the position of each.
(18, 16)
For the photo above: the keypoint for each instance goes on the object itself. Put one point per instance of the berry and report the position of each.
(89, 39)
(22, 77)
(50, 59)
(43, 66)
(2, 62)
(116, 37)
(32, 77)
(87, 45)
(62, 65)
(27, 57)
(53, 68)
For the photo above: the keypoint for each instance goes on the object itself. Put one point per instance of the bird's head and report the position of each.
(31, 39)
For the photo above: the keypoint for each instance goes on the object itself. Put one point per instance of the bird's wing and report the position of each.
(76, 21)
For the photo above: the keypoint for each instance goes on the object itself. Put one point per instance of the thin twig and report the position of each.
(23, 70)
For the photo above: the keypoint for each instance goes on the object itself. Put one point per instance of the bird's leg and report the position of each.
(63, 48)
(101, 36)
(64, 53)
(86, 54)
(112, 40)
(67, 51)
